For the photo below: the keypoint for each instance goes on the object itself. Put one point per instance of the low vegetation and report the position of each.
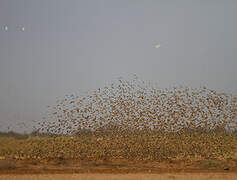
(138, 147)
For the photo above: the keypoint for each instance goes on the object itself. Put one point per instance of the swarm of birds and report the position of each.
(134, 120)
(135, 106)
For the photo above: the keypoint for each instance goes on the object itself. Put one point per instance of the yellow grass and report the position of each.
(140, 147)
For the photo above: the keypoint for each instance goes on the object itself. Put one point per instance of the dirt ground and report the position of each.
(13, 169)
(12, 166)
(139, 176)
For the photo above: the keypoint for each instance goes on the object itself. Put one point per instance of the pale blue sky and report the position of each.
(77, 45)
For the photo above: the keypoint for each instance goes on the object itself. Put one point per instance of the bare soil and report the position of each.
(88, 170)
(11, 166)
(140, 176)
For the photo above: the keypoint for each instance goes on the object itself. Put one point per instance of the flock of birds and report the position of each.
(133, 105)
(21, 28)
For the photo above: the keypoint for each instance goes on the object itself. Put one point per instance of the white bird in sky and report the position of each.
(157, 46)
(21, 28)
(6, 28)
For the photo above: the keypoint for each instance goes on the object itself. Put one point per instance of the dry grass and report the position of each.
(139, 147)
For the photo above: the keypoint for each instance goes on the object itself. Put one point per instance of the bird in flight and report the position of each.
(157, 46)
(21, 28)
(6, 28)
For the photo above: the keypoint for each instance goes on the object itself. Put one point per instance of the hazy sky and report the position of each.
(70, 46)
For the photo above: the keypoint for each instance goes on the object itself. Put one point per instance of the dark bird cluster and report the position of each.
(134, 106)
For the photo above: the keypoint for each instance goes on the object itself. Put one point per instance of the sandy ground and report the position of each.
(165, 176)
(24, 170)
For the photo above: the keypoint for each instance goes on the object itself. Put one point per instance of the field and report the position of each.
(129, 127)
(140, 153)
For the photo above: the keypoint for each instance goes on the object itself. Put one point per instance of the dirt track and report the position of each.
(166, 176)
(14, 170)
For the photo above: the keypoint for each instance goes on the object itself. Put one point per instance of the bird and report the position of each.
(157, 46)
(23, 29)
(6, 28)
